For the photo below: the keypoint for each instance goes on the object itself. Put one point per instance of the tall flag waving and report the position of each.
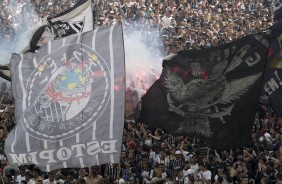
(69, 102)
(78, 19)
(211, 94)
(272, 85)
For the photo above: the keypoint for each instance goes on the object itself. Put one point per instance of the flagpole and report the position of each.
(95, 12)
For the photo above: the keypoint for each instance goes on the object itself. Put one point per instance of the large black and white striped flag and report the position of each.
(69, 102)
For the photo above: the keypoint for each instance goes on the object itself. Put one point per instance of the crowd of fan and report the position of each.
(186, 24)
(153, 156)
(180, 24)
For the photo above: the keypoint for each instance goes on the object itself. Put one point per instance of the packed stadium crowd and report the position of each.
(152, 155)
(180, 24)
(191, 24)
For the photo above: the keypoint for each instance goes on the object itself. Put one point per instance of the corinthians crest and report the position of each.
(69, 101)
(206, 96)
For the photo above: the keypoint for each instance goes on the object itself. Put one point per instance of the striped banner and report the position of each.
(69, 102)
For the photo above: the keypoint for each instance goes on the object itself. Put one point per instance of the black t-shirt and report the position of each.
(212, 166)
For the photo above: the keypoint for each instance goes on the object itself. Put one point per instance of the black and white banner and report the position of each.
(211, 94)
(69, 102)
(272, 85)
(78, 19)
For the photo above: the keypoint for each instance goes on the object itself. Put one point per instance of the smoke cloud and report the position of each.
(143, 47)
(16, 33)
(143, 56)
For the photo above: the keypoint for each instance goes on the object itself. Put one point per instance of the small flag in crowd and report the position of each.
(78, 19)
(211, 94)
(69, 102)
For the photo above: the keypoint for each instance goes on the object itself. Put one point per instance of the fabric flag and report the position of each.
(211, 94)
(272, 84)
(69, 102)
(277, 7)
(78, 19)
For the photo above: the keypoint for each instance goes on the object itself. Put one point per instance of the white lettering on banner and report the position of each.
(108, 148)
(32, 157)
(47, 154)
(93, 148)
(271, 86)
(243, 50)
(251, 61)
(66, 153)
(21, 158)
(238, 58)
(78, 148)
(262, 40)
(52, 64)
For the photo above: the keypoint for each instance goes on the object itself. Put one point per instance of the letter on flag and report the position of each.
(211, 94)
(272, 84)
(69, 102)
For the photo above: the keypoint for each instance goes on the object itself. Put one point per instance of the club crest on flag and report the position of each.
(210, 94)
(69, 86)
(199, 107)
(68, 111)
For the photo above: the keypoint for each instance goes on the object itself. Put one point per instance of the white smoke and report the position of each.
(143, 49)
(143, 56)
(5, 53)
(22, 24)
